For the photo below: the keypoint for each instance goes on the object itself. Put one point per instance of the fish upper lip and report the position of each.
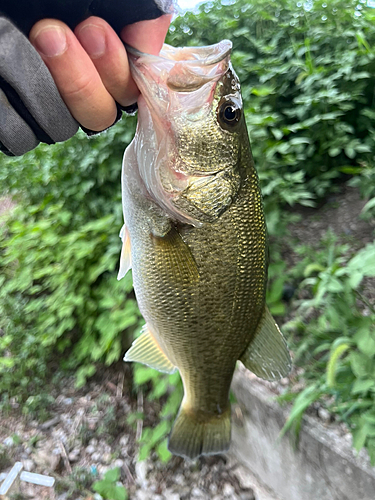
(216, 56)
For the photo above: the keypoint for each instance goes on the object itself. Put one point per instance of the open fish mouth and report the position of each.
(179, 71)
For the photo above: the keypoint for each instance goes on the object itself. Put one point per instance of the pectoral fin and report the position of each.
(146, 350)
(125, 258)
(174, 257)
(267, 354)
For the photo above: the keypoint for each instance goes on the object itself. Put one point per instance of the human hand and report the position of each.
(90, 65)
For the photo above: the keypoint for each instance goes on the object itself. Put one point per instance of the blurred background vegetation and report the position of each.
(308, 76)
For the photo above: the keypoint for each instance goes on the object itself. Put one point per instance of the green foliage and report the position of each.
(334, 338)
(108, 487)
(79, 482)
(307, 72)
(59, 295)
(307, 75)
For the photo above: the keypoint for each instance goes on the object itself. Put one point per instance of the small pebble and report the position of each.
(118, 463)
(228, 490)
(95, 457)
(324, 415)
(74, 455)
(124, 440)
(141, 472)
(196, 492)
(90, 449)
(106, 458)
(28, 465)
(8, 441)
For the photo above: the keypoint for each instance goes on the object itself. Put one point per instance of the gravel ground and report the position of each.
(87, 435)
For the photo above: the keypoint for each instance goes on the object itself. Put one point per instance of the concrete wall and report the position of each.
(322, 468)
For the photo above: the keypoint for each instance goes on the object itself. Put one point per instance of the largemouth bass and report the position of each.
(195, 237)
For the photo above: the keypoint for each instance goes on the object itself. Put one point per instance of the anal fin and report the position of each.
(267, 354)
(146, 350)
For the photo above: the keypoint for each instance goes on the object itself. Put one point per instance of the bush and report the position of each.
(333, 335)
(59, 249)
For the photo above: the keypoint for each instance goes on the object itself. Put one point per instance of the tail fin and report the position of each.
(196, 434)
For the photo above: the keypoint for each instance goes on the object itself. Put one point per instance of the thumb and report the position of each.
(147, 36)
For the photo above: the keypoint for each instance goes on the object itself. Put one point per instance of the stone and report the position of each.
(74, 455)
(228, 490)
(47, 458)
(95, 457)
(324, 415)
(213, 488)
(141, 473)
(196, 492)
(118, 463)
(28, 465)
(143, 495)
(171, 495)
(8, 441)
(124, 440)
(106, 458)
(244, 479)
(179, 479)
(90, 449)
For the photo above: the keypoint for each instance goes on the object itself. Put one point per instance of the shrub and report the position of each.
(59, 296)
(333, 336)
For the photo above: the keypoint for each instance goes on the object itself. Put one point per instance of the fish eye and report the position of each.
(229, 115)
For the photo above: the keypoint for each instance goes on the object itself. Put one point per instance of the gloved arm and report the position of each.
(31, 109)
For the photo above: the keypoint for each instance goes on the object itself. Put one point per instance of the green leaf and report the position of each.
(369, 205)
(362, 386)
(360, 364)
(335, 355)
(112, 475)
(359, 436)
(302, 402)
(162, 449)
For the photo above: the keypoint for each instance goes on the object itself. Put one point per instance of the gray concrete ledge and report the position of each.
(324, 467)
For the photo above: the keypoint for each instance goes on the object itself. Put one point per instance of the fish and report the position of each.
(195, 238)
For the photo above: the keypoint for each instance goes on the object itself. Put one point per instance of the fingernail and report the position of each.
(50, 41)
(92, 39)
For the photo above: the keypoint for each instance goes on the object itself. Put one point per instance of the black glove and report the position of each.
(31, 108)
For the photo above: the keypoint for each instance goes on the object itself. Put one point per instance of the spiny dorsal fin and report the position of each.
(267, 354)
(125, 258)
(146, 350)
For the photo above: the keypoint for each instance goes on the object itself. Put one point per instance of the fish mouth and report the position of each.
(177, 71)
(207, 55)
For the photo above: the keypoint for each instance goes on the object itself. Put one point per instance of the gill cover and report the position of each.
(179, 129)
